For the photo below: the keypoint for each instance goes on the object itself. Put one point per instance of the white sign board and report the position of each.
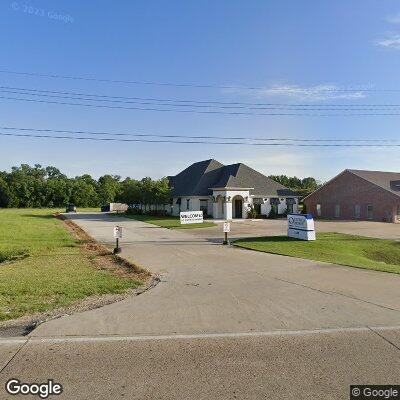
(191, 217)
(302, 235)
(227, 227)
(301, 221)
(117, 232)
(301, 226)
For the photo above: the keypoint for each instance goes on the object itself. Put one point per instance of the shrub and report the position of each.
(273, 214)
(251, 212)
(134, 211)
(156, 213)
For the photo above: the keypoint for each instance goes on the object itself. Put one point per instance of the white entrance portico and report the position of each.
(230, 203)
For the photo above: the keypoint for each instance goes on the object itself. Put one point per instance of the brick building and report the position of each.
(358, 195)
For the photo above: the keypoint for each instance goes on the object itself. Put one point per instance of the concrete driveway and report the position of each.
(223, 323)
(209, 288)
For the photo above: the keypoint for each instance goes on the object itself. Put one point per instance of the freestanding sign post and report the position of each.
(301, 226)
(191, 217)
(227, 229)
(117, 236)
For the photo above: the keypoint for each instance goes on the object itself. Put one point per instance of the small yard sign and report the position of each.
(227, 227)
(301, 226)
(191, 217)
(117, 232)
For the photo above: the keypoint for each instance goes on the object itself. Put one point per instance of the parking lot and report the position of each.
(271, 227)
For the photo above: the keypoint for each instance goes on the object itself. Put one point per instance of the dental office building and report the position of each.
(227, 191)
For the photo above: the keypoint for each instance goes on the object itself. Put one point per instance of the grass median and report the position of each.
(167, 221)
(336, 248)
(43, 266)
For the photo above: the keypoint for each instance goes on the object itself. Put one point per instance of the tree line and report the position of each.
(303, 187)
(38, 186)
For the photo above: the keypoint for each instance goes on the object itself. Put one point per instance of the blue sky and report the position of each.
(303, 47)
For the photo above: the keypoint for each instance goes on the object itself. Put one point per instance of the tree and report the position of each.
(5, 194)
(83, 194)
(130, 192)
(302, 187)
(109, 187)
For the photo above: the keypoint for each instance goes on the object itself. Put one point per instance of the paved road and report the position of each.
(223, 323)
(298, 366)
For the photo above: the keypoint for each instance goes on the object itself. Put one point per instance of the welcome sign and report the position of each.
(191, 217)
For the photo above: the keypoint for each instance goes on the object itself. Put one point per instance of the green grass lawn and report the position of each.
(337, 248)
(42, 267)
(167, 221)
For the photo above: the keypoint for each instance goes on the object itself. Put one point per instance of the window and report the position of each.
(203, 206)
(357, 211)
(370, 211)
(337, 210)
(319, 211)
(187, 204)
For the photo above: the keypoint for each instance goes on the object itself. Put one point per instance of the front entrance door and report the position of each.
(238, 208)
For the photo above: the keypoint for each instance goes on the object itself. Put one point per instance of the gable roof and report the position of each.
(200, 178)
(389, 181)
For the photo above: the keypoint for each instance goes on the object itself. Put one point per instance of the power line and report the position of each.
(203, 106)
(206, 86)
(320, 108)
(198, 111)
(102, 133)
(212, 102)
(194, 142)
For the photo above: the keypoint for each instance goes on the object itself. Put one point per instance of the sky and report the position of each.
(294, 52)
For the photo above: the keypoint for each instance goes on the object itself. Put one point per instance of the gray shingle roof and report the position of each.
(389, 181)
(199, 178)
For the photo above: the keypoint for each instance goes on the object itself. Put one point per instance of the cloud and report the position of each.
(392, 42)
(304, 93)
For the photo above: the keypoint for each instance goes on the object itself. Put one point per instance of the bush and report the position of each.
(273, 214)
(156, 213)
(304, 208)
(134, 211)
(251, 212)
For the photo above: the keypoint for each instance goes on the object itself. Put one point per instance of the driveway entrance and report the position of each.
(209, 288)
